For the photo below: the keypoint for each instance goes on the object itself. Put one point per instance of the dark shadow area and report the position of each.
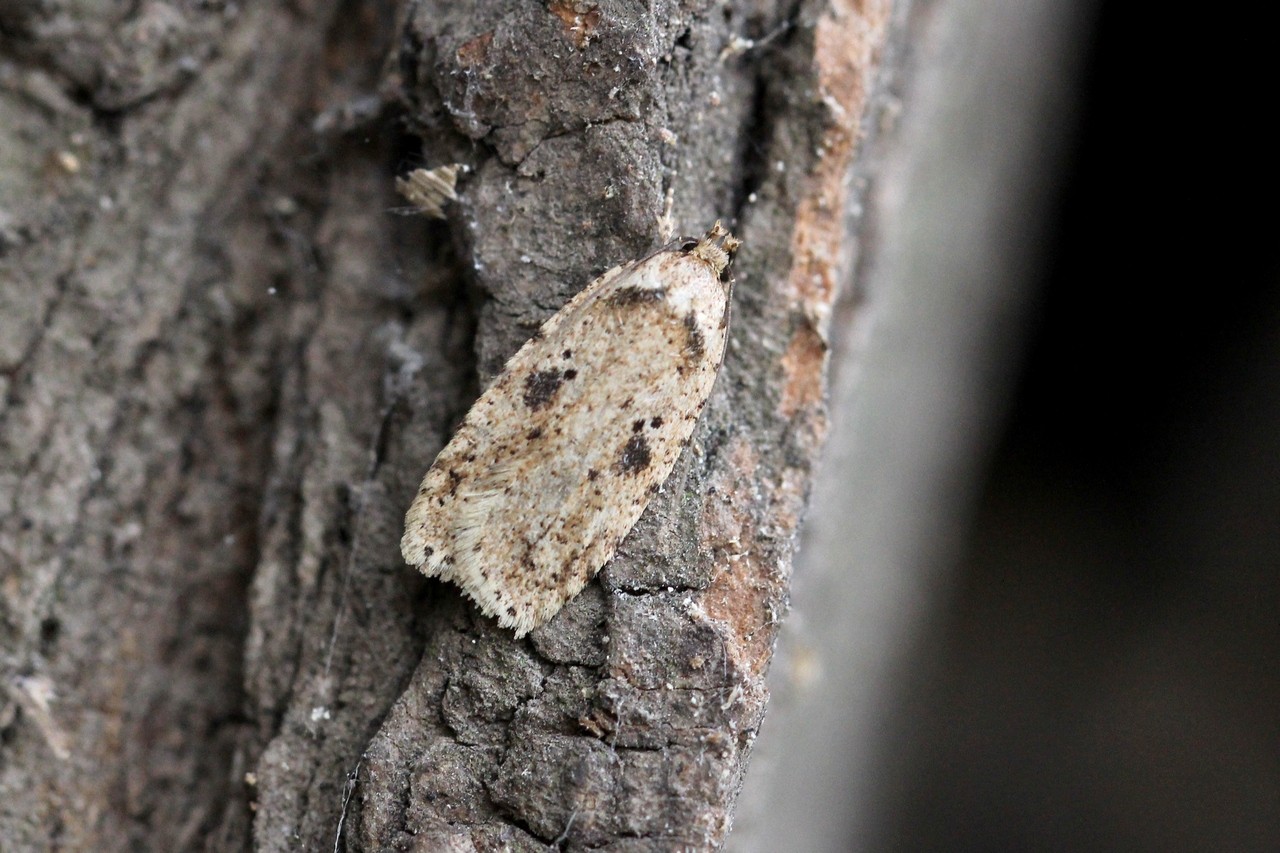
(1108, 670)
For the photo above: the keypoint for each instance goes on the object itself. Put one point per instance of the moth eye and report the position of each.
(727, 272)
(688, 244)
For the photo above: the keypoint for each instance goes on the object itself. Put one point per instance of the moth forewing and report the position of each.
(559, 457)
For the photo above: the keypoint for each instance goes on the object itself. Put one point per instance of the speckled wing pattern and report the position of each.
(557, 460)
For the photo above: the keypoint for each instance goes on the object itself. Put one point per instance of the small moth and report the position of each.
(557, 460)
(428, 189)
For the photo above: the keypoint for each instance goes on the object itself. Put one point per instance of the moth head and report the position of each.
(716, 249)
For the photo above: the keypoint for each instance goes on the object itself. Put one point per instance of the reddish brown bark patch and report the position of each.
(846, 43)
(580, 19)
(742, 592)
(803, 364)
(474, 52)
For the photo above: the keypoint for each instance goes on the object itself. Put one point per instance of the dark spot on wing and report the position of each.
(568, 353)
(592, 473)
(536, 432)
(625, 297)
(454, 479)
(695, 345)
(655, 422)
(638, 425)
(540, 387)
(635, 455)
(571, 374)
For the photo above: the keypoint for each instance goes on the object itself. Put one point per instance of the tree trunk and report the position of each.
(225, 367)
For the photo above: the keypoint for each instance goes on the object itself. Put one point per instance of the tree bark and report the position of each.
(225, 367)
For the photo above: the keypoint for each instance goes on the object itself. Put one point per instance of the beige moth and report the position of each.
(558, 458)
(428, 189)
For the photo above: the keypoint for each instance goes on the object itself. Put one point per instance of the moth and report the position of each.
(428, 189)
(558, 458)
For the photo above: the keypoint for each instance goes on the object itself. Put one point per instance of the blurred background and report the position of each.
(1036, 604)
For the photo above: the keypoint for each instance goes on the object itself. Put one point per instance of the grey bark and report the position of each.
(225, 365)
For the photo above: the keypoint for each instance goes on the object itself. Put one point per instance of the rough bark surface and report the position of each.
(224, 369)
